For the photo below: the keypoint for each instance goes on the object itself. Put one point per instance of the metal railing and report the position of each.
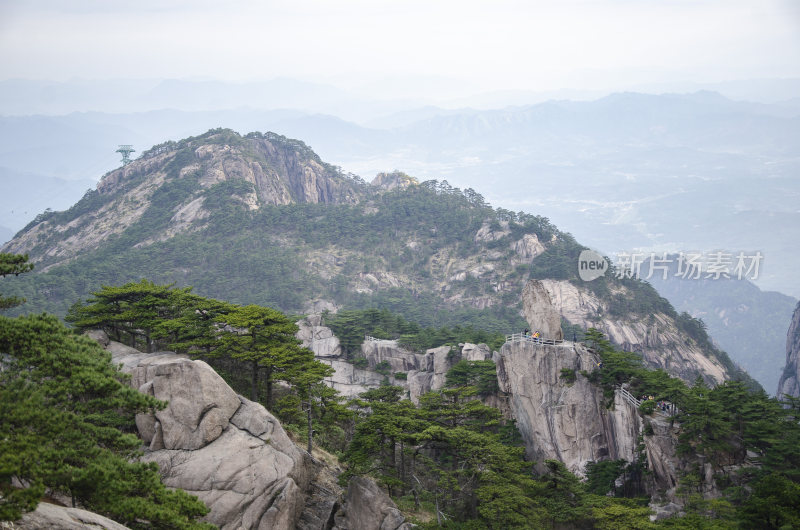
(522, 337)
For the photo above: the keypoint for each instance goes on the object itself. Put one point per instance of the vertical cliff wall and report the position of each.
(790, 379)
(560, 418)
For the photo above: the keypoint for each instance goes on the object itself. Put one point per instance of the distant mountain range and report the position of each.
(671, 172)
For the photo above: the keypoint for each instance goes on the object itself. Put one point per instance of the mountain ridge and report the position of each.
(261, 219)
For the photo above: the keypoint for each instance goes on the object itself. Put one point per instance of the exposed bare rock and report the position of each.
(418, 383)
(200, 402)
(367, 507)
(390, 181)
(486, 233)
(540, 312)
(475, 352)
(557, 420)
(318, 306)
(318, 338)
(569, 421)
(789, 382)
(528, 247)
(281, 172)
(99, 336)
(655, 336)
(661, 450)
(227, 450)
(349, 380)
(443, 360)
(379, 351)
(49, 516)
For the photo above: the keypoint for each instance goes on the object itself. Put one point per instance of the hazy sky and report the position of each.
(486, 45)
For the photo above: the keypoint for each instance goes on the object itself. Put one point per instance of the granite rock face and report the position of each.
(568, 420)
(228, 451)
(559, 420)
(789, 382)
(367, 507)
(539, 311)
(49, 516)
(317, 337)
(655, 336)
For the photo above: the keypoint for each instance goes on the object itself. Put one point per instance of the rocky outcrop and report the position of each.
(789, 382)
(349, 380)
(49, 516)
(539, 311)
(387, 351)
(394, 180)
(318, 338)
(367, 507)
(228, 451)
(562, 416)
(655, 336)
(281, 171)
(558, 419)
(475, 352)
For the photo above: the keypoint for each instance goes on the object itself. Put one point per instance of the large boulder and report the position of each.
(200, 402)
(475, 352)
(367, 507)
(228, 451)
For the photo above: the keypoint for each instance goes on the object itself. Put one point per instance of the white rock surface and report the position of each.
(539, 311)
(230, 452)
(475, 352)
(317, 337)
(654, 336)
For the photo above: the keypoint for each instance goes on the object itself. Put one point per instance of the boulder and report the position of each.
(228, 451)
(349, 380)
(367, 507)
(475, 352)
(528, 247)
(379, 351)
(200, 403)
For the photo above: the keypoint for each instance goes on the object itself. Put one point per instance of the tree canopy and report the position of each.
(66, 417)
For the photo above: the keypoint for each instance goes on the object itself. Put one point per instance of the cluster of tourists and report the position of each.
(535, 336)
(664, 406)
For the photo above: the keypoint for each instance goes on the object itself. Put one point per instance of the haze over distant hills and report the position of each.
(626, 171)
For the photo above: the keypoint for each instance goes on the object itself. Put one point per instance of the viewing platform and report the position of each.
(522, 337)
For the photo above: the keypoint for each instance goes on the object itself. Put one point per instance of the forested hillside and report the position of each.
(260, 219)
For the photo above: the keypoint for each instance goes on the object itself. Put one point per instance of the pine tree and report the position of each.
(13, 264)
(264, 339)
(63, 410)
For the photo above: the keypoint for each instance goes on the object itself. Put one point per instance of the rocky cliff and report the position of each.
(227, 450)
(279, 171)
(789, 382)
(655, 335)
(563, 416)
(235, 456)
